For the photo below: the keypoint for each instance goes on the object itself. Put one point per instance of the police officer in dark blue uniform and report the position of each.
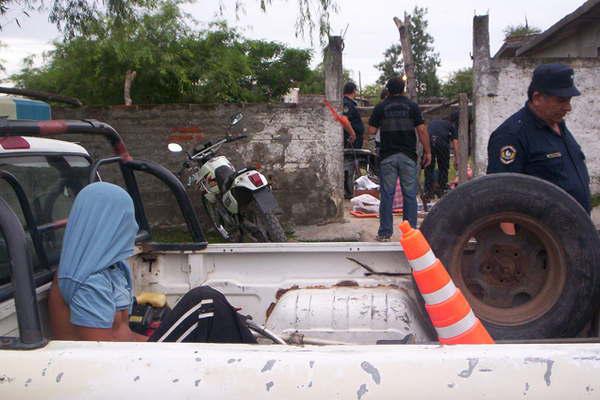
(353, 115)
(536, 141)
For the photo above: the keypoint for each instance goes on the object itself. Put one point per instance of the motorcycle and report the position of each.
(240, 204)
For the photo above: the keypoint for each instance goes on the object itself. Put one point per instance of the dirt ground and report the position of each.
(353, 229)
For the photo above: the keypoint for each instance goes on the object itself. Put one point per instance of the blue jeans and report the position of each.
(391, 168)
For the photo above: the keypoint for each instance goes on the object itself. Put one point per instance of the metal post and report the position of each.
(30, 330)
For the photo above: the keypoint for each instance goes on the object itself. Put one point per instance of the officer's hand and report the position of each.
(352, 138)
(426, 160)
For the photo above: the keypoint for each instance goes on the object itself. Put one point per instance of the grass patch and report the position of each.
(595, 200)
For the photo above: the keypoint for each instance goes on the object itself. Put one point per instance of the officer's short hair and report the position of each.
(530, 91)
(395, 86)
(349, 88)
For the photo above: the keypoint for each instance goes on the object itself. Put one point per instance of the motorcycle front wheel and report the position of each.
(258, 226)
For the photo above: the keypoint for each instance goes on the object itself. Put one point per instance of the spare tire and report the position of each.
(524, 253)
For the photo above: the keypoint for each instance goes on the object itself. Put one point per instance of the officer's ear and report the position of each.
(537, 98)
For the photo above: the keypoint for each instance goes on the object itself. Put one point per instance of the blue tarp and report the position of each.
(17, 108)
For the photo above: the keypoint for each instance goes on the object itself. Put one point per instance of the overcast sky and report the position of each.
(370, 28)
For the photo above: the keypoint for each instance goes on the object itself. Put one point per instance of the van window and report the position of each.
(51, 183)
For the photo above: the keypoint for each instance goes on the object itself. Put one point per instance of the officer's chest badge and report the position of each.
(508, 154)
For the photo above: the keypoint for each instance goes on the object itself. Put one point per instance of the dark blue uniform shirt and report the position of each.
(353, 115)
(443, 131)
(526, 144)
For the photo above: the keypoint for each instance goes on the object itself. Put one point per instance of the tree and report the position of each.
(425, 58)
(392, 64)
(173, 63)
(73, 17)
(460, 81)
(520, 30)
(315, 80)
(372, 93)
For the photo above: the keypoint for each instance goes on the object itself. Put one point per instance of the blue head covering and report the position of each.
(100, 232)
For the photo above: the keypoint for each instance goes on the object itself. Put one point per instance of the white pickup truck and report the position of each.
(346, 316)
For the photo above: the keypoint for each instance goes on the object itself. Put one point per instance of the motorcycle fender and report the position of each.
(243, 181)
(265, 200)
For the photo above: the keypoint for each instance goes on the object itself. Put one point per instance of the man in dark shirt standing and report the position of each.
(352, 139)
(397, 118)
(442, 133)
(536, 141)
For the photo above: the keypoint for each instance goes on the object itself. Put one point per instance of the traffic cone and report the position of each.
(449, 311)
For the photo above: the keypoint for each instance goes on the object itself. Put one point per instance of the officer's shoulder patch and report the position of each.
(346, 109)
(508, 154)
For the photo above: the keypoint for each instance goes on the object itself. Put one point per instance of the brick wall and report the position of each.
(297, 146)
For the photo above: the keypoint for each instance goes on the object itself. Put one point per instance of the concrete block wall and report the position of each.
(297, 146)
(503, 90)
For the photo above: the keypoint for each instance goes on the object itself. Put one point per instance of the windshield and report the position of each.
(50, 183)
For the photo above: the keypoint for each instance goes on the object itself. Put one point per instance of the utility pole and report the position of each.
(359, 84)
(409, 64)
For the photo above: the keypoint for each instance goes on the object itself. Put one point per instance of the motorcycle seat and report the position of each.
(224, 176)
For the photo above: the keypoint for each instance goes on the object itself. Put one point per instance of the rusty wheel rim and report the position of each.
(510, 276)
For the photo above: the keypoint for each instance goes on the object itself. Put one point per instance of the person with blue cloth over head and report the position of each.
(92, 291)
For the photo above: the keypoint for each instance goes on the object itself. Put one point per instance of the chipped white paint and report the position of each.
(71, 370)
(253, 275)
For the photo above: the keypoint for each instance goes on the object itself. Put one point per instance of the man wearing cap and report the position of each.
(353, 138)
(536, 141)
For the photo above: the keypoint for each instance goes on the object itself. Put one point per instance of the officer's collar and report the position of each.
(540, 123)
(352, 100)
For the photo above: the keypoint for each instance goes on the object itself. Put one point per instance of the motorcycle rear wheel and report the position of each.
(258, 226)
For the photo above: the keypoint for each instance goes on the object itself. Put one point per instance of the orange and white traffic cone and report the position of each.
(449, 311)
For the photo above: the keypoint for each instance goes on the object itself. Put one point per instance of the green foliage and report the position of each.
(173, 63)
(315, 80)
(392, 64)
(75, 17)
(372, 93)
(520, 30)
(460, 81)
(425, 58)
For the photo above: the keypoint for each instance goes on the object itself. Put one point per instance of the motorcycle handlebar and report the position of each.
(233, 139)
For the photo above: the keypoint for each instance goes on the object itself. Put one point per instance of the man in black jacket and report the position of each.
(352, 139)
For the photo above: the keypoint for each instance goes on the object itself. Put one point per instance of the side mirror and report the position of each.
(175, 148)
(236, 118)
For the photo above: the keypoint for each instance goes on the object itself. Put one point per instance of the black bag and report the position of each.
(203, 315)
